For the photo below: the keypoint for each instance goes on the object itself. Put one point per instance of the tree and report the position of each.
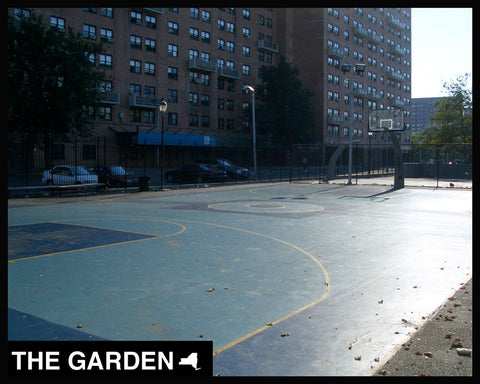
(286, 114)
(451, 128)
(53, 87)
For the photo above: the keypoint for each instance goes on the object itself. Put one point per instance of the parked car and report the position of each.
(68, 174)
(116, 176)
(233, 171)
(196, 173)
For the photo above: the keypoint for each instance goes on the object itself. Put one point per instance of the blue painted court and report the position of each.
(285, 279)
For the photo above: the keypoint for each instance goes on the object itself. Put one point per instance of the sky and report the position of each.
(441, 48)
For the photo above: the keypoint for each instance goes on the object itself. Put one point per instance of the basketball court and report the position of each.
(286, 279)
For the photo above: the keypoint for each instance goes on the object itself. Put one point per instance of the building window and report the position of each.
(172, 28)
(246, 51)
(194, 77)
(194, 33)
(58, 23)
(193, 120)
(205, 100)
(106, 35)
(89, 32)
(107, 12)
(246, 14)
(151, 22)
(246, 69)
(229, 105)
(135, 18)
(150, 45)
(172, 50)
(134, 115)
(221, 44)
(246, 32)
(205, 37)
(172, 118)
(194, 14)
(149, 117)
(230, 46)
(205, 121)
(230, 27)
(193, 98)
(105, 61)
(149, 68)
(135, 89)
(172, 96)
(105, 113)
(135, 66)
(221, 104)
(204, 79)
(172, 73)
(206, 16)
(135, 41)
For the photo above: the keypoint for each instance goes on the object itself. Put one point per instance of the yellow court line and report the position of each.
(325, 294)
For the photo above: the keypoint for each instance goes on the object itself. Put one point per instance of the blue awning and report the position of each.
(174, 139)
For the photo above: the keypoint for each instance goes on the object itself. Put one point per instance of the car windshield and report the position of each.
(117, 171)
(80, 170)
(225, 163)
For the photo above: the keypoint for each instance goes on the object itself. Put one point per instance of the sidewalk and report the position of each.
(410, 182)
(442, 346)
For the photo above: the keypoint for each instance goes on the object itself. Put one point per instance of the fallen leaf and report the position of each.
(358, 358)
(285, 334)
(210, 289)
(269, 324)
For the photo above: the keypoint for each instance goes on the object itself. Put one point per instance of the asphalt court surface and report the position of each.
(286, 279)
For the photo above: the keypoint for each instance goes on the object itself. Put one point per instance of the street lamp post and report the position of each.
(359, 68)
(254, 134)
(162, 108)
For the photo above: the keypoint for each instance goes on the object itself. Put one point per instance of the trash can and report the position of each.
(143, 183)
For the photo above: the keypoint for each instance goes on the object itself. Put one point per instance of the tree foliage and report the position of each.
(452, 120)
(286, 113)
(52, 84)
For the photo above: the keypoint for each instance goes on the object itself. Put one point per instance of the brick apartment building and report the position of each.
(201, 60)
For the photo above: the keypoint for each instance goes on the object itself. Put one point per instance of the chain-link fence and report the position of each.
(297, 162)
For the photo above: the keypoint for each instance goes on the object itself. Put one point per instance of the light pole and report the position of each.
(254, 134)
(162, 108)
(359, 68)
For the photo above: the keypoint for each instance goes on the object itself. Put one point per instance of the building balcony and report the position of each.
(374, 96)
(110, 97)
(398, 103)
(158, 11)
(360, 31)
(201, 65)
(375, 38)
(394, 22)
(335, 52)
(144, 101)
(266, 45)
(336, 120)
(360, 93)
(395, 76)
(229, 72)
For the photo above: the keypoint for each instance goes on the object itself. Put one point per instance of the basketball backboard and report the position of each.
(386, 120)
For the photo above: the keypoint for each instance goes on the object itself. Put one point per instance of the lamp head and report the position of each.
(162, 106)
